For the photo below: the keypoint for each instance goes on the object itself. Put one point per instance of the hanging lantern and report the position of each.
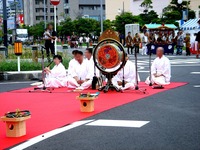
(180, 1)
(18, 48)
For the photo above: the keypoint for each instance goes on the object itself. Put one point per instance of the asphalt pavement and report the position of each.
(174, 117)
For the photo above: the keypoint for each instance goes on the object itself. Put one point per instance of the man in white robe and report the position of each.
(128, 74)
(72, 61)
(160, 69)
(80, 76)
(56, 77)
(90, 61)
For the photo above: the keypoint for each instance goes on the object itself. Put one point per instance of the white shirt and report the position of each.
(87, 39)
(162, 66)
(82, 71)
(129, 73)
(58, 72)
(91, 65)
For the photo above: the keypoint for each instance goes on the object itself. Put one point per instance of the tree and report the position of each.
(147, 4)
(174, 11)
(85, 25)
(123, 19)
(150, 17)
(66, 27)
(37, 30)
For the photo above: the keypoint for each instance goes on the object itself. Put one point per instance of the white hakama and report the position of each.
(129, 76)
(57, 77)
(162, 68)
(83, 72)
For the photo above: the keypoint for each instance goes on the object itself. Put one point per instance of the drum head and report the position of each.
(109, 56)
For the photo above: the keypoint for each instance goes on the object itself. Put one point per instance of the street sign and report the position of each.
(55, 2)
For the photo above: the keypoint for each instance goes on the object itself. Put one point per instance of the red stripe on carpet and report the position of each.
(52, 110)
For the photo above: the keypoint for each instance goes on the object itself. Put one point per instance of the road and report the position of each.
(174, 117)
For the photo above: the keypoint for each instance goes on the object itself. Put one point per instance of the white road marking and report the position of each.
(197, 86)
(49, 134)
(16, 82)
(195, 73)
(118, 123)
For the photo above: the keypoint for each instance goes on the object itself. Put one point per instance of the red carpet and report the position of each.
(52, 110)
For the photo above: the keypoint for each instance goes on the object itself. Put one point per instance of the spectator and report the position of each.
(129, 42)
(187, 42)
(136, 41)
(180, 41)
(198, 40)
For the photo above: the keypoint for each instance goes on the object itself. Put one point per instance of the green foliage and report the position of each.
(85, 25)
(11, 65)
(36, 30)
(174, 11)
(1, 33)
(150, 17)
(147, 4)
(124, 18)
(66, 27)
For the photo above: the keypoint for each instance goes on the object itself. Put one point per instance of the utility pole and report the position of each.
(5, 31)
(101, 16)
(45, 21)
(123, 6)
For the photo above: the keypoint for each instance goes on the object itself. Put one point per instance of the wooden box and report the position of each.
(86, 103)
(15, 127)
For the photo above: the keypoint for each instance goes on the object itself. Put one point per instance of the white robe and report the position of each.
(83, 72)
(129, 76)
(160, 66)
(91, 66)
(57, 78)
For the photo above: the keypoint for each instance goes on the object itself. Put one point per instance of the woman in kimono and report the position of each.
(56, 77)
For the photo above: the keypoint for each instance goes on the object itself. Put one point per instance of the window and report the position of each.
(51, 10)
(39, 17)
(66, 11)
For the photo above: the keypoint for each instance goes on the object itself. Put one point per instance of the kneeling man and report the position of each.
(160, 69)
(57, 76)
(128, 74)
(80, 76)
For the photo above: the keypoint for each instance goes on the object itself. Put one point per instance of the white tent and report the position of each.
(191, 25)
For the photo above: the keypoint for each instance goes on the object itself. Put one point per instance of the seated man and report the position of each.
(160, 69)
(72, 61)
(57, 76)
(128, 74)
(80, 76)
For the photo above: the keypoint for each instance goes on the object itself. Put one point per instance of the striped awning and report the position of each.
(191, 25)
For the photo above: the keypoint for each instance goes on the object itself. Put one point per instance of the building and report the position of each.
(114, 8)
(194, 5)
(34, 11)
(84, 8)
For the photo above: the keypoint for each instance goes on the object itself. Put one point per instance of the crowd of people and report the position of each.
(160, 38)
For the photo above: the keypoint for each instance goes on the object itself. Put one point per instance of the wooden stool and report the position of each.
(15, 127)
(86, 103)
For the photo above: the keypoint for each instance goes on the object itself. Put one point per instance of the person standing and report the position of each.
(187, 43)
(144, 43)
(129, 42)
(87, 41)
(180, 41)
(50, 37)
(198, 40)
(136, 41)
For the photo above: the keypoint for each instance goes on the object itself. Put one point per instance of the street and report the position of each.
(173, 115)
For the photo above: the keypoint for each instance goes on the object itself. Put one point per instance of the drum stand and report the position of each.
(136, 77)
(150, 76)
(44, 88)
(109, 84)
